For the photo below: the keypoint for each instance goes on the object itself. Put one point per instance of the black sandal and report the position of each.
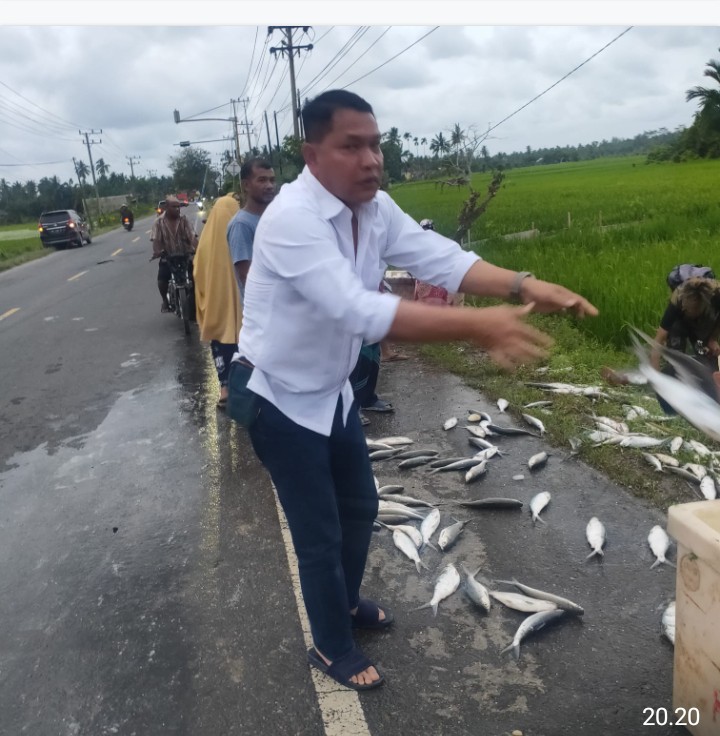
(368, 616)
(343, 668)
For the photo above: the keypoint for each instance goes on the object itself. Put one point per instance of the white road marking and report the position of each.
(114, 253)
(340, 707)
(77, 275)
(9, 313)
(134, 240)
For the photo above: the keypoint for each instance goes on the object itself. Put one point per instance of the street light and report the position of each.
(233, 120)
(185, 144)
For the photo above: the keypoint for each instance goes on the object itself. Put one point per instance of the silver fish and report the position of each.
(520, 602)
(445, 586)
(450, 423)
(652, 460)
(476, 471)
(476, 430)
(595, 534)
(619, 427)
(474, 417)
(387, 490)
(659, 544)
(502, 404)
(534, 422)
(463, 464)
(559, 601)
(668, 622)
(429, 524)
(575, 444)
(640, 441)
(538, 460)
(530, 625)
(699, 449)
(373, 445)
(707, 488)
(534, 404)
(406, 545)
(683, 474)
(448, 536)
(395, 506)
(488, 453)
(411, 531)
(675, 444)
(407, 454)
(480, 442)
(476, 591)
(382, 454)
(415, 462)
(699, 471)
(443, 461)
(395, 441)
(538, 503)
(508, 431)
(410, 501)
(492, 503)
(396, 517)
(667, 459)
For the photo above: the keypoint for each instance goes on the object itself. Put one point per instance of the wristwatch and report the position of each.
(516, 285)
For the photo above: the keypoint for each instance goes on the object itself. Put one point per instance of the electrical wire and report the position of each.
(344, 48)
(358, 59)
(52, 114)
(252, 58)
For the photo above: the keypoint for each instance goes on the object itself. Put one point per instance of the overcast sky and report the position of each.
(56, 80)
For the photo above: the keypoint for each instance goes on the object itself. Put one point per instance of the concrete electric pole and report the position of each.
(89, 143)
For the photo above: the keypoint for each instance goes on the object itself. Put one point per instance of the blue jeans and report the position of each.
(326, 488)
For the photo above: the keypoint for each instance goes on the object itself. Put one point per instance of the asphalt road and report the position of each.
(144, 584)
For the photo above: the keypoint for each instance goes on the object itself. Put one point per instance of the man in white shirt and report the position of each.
(311, 299)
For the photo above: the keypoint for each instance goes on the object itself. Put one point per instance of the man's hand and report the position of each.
(549, 297)
(508, 340)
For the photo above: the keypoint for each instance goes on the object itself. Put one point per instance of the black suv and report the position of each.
(63, 227)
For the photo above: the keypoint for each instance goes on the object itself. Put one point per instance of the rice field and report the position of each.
(610, 229)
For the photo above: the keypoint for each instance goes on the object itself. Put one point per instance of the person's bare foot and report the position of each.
(366, 677)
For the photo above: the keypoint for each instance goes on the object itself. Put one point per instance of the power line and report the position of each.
(72, 125)
(537, 97)
(358, 59)
(351, 40)
(340, 58)
(252, 57)
(39, 163)
(392, 58)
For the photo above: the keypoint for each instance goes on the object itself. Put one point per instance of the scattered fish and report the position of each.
(559, 601)
(530, 625)
(683, 473)
(619, 427)
(407, 546)
(675, 444)
(509, 431)
(492, 503)
(476, 430)
(488, 453)
(653, 460)
(415, 462)
(538, 460)
(450, 423)
(474, 417)
(534, 422)
(475, 590)
(410, 501)
(519, 476)
(640, 441)
(382, 454)
(668, 622)
(699, 471)
(575, 445)
(373, 445)
(387, 490)
(480, 442)
(476, 471)
(524, 603)
(595, 534)
(707, 488)
(443, 461)
(445, 586)
(667, 459)
(699, 449)
(411, 531)
(395, 441)
(407, 454)
(448, 536)
(659, 544)
(464, 464)
(538, 503)
(538, 404)
(502, 404)
(429, 524)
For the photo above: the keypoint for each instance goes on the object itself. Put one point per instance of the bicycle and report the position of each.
(181, 289)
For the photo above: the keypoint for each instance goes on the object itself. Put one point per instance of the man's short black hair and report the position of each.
(258, 162)
(317, 114)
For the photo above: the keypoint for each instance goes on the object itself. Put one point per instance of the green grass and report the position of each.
(664, 215)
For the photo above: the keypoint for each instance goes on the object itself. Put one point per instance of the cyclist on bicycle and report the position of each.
(172, 234)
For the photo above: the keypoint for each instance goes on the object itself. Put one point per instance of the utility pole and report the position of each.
(277, 138)
(89, 143)
(267, 128)
(247, 125)
(287, 46)
(235, 131)
(131, 161)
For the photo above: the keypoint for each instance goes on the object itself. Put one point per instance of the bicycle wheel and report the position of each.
(184, 311)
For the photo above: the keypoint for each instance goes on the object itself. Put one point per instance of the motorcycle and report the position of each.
(181, 289)
(127, 223)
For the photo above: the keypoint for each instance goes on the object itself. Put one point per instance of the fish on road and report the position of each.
(502, 404)
(559, 601)
(429, 525)
(449, 535)
(538, 460)
(659, 544)
(407, 546)
(492, 503)
(534, 422)
(450, 423)
(538, 503)
(595, 534)
(531, 625)
(668, 622)
(475, 590)
(520, 602)
(446, 585)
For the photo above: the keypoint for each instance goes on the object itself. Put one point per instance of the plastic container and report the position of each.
(696, 670)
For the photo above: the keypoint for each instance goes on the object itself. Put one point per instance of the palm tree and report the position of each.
(101, 167)
(423, 143)
(393, 137)
(407, 137)
(708, 98)
(82, 170)
(439, 145)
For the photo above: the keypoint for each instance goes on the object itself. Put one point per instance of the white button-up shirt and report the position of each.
(310, 302)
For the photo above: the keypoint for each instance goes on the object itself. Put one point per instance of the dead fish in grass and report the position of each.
(667, 459)
(538, 460)
(524, 603)
(476, 471)
(450, 423)
(640, 441)
(575, 445)
(538, 503)
(559, 601)
(707, 488)
(683, 474)
(502, 404)
(531, 625)
(652, 460)
(595, 535)
(407, 546)
(699, 449)
(429, 524)
(668, 622)
(408, 454)
(448, 536)
(492, 503)
(445, 586)
(537, 404)
(534, 422)
(675, 444)
(509, 431)
(699, 471)
(659, 544)
(415, 462)
(475, 590)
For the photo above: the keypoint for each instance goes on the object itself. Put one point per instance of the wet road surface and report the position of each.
(145, 587)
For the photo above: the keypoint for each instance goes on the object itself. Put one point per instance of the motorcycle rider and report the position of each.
(172, 234)
(126, 212)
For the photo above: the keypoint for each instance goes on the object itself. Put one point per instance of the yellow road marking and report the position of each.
(77, 275)
(114, 253)
(9, 312)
